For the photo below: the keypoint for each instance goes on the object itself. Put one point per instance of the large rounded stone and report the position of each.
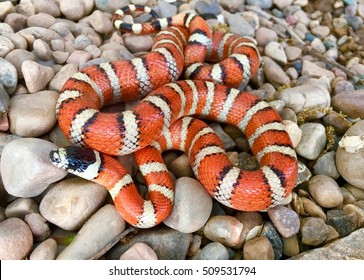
(26, 169)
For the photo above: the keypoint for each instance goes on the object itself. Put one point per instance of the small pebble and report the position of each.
(313, 140)
(252, 224)
(213, 251)
(313, 231)
(183, 217)
(310, 69)
(325, 165)
(16, 239)
(350, 156)
(265, 35)
(72, 9)
(6, 46)
(312, 209)
(325, 191)
(275, 51)
(36, 76)
(138, 43)
(47, 250)
(20, 207)
(71, 202)
(139, 251)
(41, 20)
(274, 73)
(8, 76)
(344, 223)
(167, 243)
(224, 229)
(32, 115)
(350, 103)
(62, 76)
(285, 220)
(102, 227)
(181, 167)
(258, 248)
(291, 246)
(38, 225)
(270, 232)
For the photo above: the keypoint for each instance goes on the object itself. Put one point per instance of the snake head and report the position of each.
(79, 161)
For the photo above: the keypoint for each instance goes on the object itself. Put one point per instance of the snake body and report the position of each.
(158, 122)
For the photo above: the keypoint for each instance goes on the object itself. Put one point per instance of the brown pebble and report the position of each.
(258, 248)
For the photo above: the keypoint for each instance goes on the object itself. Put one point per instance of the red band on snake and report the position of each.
(158, 116)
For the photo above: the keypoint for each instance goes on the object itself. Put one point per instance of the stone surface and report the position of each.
(139, 251)
(192, 206)
(26, 169)
(36, 76)
(258, 248)
(350, 103)
(224, 229)
(38, 225)
(47, 250)
(71, 202)
(32, 115)
(350, 247)
(20, 207)
(313, 140)
(325, 191)
(270, 232)
(313, 231)
(167, 243)
(16, 239)
(350, 156)
(285, 220)
(95, 234)
(213, 251)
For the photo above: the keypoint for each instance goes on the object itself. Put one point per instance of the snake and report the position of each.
(165, 118)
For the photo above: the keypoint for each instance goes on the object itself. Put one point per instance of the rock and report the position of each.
(100, 22)
(350, 155)
(313, 231)
(47, 250)
(32, 115)
(285, 220)
(50, 7)
(16, 239)
(239, 25)
(263, 4)
(293, 53)
(72, 9)
(79, 58)
(38, 225)
(181, 167)
(340, 124)
(71, 202)
(318, 46)
(312, 209)
(8, 76)
(231, 5)
(271, 233)
(252, 224)
(344, 222)
(228, 143)
(213, 251)
(295, 133)
(265, 35)
(258, 248)
(17, 57)
(325, 165)
(357, 192)
(224, 229)
(291, 246)
(167, 243)
(195, 245)
(274, 73)
(321, 31)
(42, 50)
(138, 43)
(32, 33)
(325, 191)
(41, 20)
(348, 196)
(103, 226)
(350, 103)
(6, 7)
(139, 251)
(275, 51)
(333, 234)
(313, 140)
(110, 6)
(192, 206)
(36, 76)
(311, 69)
(21, 207)
(28, 158)
(62, 76)
(350, 208)
(6, 46)
(311, 93)
(4, 101)
(350, 247)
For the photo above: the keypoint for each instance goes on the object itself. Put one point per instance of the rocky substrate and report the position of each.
(312, 73)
